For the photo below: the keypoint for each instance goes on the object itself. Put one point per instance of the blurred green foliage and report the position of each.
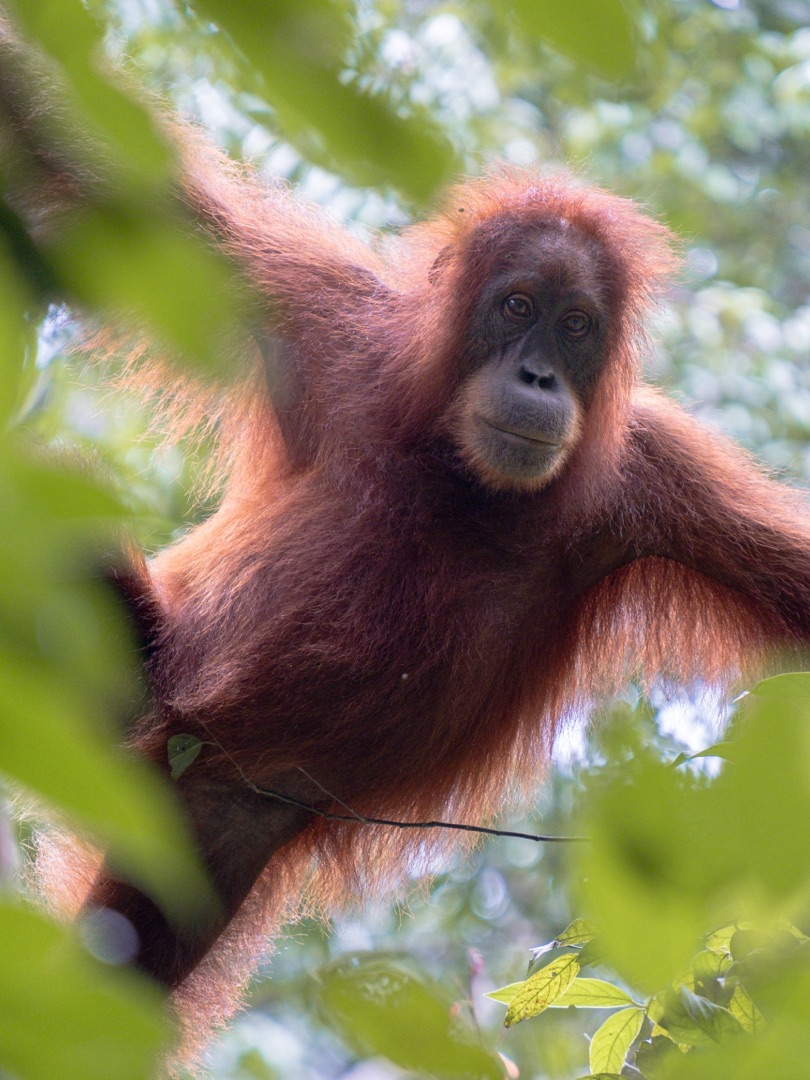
(697, 875)
(676, 851)
(122, 246)
(383, 1008)
(63, 1014)
(299, 51)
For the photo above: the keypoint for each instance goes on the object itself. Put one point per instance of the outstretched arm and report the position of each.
(52, 165)
(294, 251)
(695, 498)
(317, 287)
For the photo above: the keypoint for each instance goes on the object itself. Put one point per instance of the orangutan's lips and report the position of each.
(520, 435)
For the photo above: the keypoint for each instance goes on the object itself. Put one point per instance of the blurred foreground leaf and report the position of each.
(101, 224)
(300, 51)
(92, 1022)
(65, 674)
(597, 33)
(674, 852)
(71, 37)
(128, 258)
(381, 1007)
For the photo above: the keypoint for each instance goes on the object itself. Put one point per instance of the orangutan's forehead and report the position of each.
(546, 236)
(551, 250)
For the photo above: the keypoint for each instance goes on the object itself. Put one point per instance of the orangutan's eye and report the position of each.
(518, 307)
(576, 324)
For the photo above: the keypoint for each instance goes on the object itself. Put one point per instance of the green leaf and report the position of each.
(612, 1041)
(64, 1014)
(68, 33)
(657, 1058)
(759, 806)
(505, 994)
(641, 875)
(300, 50)
(779, 1050)
(795, 932)
(593, 994)
(544, 987)
(578, 932)
(743, 1009)
(709, 965)
(45, 744)
(722, 750)
(719, 940)
(601, 1076)
(15, 334)
(608, 45)
(127, 258)
(715, 1021)
(124, 247)
(593, 952)
(32, 268)
(252, 1064)
(381, 1007)
(672, 1020)
(183, 750)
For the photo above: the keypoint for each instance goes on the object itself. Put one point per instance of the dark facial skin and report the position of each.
(535, 353)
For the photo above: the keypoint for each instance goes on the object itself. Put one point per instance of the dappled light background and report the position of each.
(700, 111)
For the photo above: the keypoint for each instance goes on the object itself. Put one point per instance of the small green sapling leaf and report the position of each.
(183, 751)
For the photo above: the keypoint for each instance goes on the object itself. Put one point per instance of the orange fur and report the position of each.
(365, 608)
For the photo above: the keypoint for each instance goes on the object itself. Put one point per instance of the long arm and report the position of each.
(317, 291)
(52, 166)
(697, 569)
(696, 499)
(698, 566)
(287, 246)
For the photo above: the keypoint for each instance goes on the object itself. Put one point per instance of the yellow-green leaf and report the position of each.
(505, 994)
(382, 1008)
(743, 1009)
(720, 940)
(614, 1038)
(593, 994)
(543, 988)
(578, 932)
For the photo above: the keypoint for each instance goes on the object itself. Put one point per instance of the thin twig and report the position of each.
(363, 820)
